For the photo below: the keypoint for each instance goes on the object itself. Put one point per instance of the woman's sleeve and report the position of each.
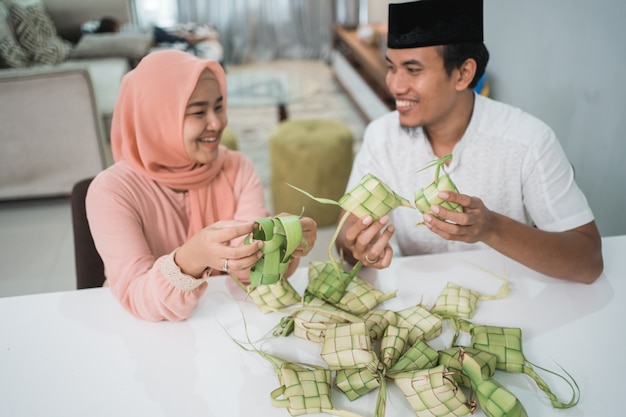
(152, 288)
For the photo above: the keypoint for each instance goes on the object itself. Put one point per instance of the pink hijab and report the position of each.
(147, 133)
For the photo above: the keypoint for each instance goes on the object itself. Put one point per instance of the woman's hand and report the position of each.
(210, 248)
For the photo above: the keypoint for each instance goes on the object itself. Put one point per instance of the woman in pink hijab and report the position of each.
(176, 205)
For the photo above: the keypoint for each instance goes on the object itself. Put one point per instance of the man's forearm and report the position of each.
(573, 255)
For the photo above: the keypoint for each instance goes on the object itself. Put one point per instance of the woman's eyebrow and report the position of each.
(220, 99)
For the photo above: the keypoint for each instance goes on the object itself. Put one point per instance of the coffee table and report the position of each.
(262, 88)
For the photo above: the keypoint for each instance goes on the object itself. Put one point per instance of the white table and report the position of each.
(79, 353)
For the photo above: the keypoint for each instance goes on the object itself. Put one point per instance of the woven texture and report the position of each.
(431, 393)
(272, 297)
(456, 301)
(423, 324)
(371, 197)
(306, 391)
(450, 358)
(503, 342)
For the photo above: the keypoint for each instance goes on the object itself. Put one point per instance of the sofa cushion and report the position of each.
(36, 33)
(133, 46)
(12, 55)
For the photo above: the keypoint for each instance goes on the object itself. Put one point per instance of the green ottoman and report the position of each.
(229, 139)
(316, 156)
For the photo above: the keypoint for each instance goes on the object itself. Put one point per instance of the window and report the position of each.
(163, 13)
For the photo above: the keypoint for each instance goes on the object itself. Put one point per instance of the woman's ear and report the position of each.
(466, 74)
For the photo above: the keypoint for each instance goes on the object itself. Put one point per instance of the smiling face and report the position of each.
(425, 94)
(205, 120)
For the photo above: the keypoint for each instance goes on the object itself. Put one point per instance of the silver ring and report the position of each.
(225, 267)
(369, 260)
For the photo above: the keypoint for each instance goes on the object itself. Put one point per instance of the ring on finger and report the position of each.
(225, 267)
(370, 260)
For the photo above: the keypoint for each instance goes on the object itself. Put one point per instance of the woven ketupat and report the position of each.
(311, 324)
(450, 358)
(393, 362)
(361, 296)
(305, 391)
(324, 282)
(506, 344)
(371, 197)
(494, 399)
(503, 342)
(348, 346)
(392, 345)
(356, 382)
(423, 324)
(429, 195)
(456, 301)
(418, 356)
(377, 322)
(431, 393)
(272, 297)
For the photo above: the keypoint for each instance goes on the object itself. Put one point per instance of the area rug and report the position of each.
(324, 98)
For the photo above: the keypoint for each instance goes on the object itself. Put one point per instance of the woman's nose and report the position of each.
(214, 121)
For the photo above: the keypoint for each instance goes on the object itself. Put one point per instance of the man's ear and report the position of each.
(466, 74)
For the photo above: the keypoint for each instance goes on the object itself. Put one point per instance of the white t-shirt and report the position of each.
(508, 158)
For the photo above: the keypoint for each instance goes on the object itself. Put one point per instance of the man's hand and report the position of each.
(575, 255)
(367, 241)
(471, 226)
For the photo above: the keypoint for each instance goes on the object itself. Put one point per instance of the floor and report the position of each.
(37, 247)
(36, 241)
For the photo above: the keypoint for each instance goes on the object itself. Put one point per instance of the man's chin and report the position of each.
(410, 130)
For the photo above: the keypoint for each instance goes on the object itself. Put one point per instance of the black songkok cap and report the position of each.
(434, 22)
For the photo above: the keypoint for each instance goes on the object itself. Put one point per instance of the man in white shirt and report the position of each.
(516, 185)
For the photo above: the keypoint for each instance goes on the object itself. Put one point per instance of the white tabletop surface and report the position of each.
(79, 353)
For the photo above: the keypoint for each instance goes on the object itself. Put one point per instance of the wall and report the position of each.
(561, 60)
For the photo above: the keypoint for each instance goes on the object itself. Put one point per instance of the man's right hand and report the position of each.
(367, 241)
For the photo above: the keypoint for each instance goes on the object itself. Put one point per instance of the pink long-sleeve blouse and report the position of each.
(137, 226)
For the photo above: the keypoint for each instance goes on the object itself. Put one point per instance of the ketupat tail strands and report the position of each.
(506, 344)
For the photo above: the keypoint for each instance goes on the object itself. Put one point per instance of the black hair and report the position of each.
(454, 55)
(108, 25)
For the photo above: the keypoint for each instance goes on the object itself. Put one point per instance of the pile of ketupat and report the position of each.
(366, 347)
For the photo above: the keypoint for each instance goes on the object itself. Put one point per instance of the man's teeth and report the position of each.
(404, 103)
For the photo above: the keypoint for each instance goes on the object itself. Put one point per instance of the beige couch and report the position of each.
(55, 118)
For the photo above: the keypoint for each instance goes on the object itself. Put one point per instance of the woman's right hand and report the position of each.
(210, 248)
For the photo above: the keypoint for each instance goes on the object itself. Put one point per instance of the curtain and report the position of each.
(263, 30)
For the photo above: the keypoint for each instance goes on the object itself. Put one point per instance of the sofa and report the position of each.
(56, 107)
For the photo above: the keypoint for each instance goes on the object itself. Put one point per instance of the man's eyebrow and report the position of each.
(407, 62)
